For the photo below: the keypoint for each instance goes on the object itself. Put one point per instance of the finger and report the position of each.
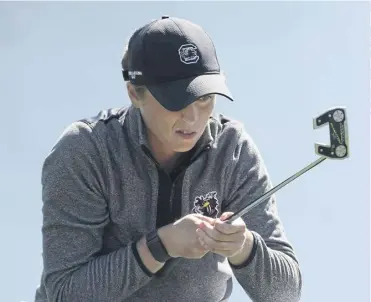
(226, 253)
(214, 246)
(209, 220)
(200, 247)
(237, 226)
(226, 215)
(213, 233)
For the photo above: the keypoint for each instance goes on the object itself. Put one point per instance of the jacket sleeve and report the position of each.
(272, 272)
(75, 214)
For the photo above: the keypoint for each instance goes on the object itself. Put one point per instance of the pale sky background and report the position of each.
(285, 62)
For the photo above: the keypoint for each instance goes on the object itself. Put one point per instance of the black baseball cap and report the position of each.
(176, 60)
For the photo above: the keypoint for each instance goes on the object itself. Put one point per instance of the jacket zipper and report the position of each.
(179, 173)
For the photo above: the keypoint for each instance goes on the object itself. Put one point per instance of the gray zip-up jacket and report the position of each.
(102, 191)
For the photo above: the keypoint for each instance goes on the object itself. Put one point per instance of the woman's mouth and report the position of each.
(186, 134)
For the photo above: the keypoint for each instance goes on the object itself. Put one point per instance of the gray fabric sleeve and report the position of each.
(74, 215)
(272, 272)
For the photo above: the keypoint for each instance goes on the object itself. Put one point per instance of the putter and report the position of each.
(338, 148)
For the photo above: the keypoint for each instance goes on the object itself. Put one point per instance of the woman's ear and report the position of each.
(133, 96)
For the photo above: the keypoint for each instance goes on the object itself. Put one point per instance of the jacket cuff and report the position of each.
(251, 256)
(139, 260)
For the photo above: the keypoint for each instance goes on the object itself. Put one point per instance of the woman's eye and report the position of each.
(206, 98)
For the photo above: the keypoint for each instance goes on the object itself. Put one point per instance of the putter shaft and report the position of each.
(269, 193)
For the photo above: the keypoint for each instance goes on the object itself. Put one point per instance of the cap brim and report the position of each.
(176, 95)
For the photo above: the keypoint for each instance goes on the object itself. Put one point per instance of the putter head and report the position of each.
(337, 121)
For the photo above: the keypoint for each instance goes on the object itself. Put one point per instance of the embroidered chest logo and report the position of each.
(206, 205)
(188, 54)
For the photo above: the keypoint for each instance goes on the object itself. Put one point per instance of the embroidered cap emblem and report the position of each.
(188, 54)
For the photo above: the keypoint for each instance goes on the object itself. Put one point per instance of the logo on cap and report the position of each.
(134, 74)
(188, 54)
